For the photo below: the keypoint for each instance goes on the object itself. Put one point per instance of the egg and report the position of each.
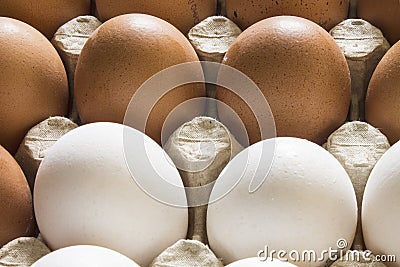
(325, 13)
(119, 57)
(380, 212)
(85, 193)
(302, 73)
(33, 82)
(44, 15)
(306, 202)
(257, 262)
(383, 14)
(382, 104)
(83, 256)
(183, 14)
(15, 201)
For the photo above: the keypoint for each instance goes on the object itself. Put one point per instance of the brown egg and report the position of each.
(384, 14)
(300, 70)
(183, 14)
(16, 209)
(45, 15)
(119, 57)
(33, 82)
(326, 13)
(382, 107)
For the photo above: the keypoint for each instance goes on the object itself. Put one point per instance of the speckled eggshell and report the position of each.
(326, 13)
(183, 14)
(302, 73)
(380, 213)
(33, 81)
(382, 107)
(306, 202)
(45, 15)
(384, 14)
(119, 57)
(16, 211)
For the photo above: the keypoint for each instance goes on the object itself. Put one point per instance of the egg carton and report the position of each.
(356, 145)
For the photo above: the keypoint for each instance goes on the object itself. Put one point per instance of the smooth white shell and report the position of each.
(381, 206)
(83, 256)
(256, 262)
(85, 194)
(307, 202)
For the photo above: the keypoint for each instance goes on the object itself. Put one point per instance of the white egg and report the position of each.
(85, 194)
(256, 262)
(380, 214)
(83, 256)
(307, 202)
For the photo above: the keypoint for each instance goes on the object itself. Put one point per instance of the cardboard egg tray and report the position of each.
(362, 54)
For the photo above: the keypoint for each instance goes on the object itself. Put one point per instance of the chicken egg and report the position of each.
(305, 202)
(302, 73)
(380, 207)
(119, 57)
(384, 14)
(45, 15)
(33, 81)
(85, 193)
(325, 13)
(83, 256)
(183, 14)
(15, 201)
(382, 106)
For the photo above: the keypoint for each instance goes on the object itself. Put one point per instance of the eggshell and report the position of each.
(383, 96)
(384, 14)
(83, 256)
(183, 14)
(307, 202)
(380, 206)
(15, 201)
(256, 262)
(325, 13)
(44, 15)
(86, 194)
(33, 82)
(302, 73)
(119, 57)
